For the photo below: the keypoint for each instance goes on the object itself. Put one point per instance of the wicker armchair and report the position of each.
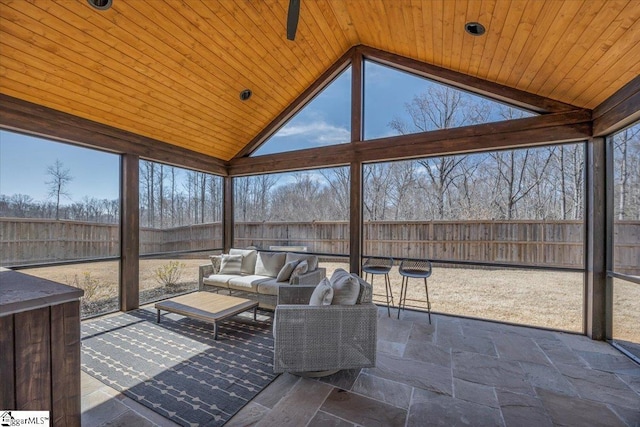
(317, 340)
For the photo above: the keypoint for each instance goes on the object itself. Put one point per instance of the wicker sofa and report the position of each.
(319, 340)
(258, 276)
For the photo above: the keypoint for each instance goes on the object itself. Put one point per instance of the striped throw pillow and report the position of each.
(231, 264)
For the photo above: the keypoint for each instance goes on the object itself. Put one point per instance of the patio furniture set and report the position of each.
(320, 325)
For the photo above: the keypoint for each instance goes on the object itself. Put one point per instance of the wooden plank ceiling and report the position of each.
(172, 70)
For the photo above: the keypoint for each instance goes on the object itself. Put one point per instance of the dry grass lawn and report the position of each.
(530, 297)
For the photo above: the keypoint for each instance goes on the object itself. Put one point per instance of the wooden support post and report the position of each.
(130, 233)
(596, 238)
(355, 219)
(355, 192)
(227, 214)
(610, 236)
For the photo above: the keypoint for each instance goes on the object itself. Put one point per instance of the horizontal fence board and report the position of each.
(548, 243)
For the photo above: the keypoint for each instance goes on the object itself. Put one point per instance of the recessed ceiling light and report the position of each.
(101, 4)
(245, 94)
(474, 28)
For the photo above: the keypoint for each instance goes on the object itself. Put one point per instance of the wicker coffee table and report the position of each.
(207, 306)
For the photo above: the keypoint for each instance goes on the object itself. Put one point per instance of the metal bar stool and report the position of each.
(383, 266)
(418, 270)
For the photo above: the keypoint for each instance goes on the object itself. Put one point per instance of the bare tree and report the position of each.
(570, 173)
(403, 188)
(377, 182)
(622, 142)
(339, 180)
(20, 204)
(147, 202)
(519, 173)
(442, 173)
(161, 194)
(441, 107)
(60, 178)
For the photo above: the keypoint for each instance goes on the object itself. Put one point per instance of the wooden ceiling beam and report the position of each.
(545, 129)
(540, 130)
(311, 158)
(482, 87)
(619, 110)
(22, 116)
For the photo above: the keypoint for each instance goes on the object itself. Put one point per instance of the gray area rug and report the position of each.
(176, 368)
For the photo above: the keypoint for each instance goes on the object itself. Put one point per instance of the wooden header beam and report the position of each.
(549, 128)
(619, 110)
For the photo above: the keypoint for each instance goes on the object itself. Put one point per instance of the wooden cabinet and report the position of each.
(40, 347)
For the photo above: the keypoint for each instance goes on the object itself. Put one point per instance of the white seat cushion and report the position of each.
(247, 283)
(270, 287)
(219, 280)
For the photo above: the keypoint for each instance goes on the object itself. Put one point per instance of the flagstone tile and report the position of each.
(456, 341)
(362, 410)
(548, 378)
(601, 386)
(129, 419)
(519, 348)
(617, 363)
(446, 326)
(393, 330)
(491, 371)
(248, 416)
(558, 352)
(413, 315)
(429, 409)
(323, 419)
(476, 393)
(631, 417)
(384, 390)
(584, 343)
(571, 411)
(427, 352)
(632, 381)
(520, 410)
(422, 332)
(100, 407)
(89, 384)
(343, 379)
(525, 331)
(299, 406)
(477, 328)
(147, 413)
(392, 348)
(276, 390)
(424, 375)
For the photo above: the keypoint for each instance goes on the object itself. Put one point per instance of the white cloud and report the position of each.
(318, 133)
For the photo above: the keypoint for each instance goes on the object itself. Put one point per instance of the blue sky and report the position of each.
(324, 121)
(24, 161)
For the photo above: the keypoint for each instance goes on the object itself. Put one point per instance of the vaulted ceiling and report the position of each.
(173, 70)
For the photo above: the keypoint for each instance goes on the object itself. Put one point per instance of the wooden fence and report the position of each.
(548, 243)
